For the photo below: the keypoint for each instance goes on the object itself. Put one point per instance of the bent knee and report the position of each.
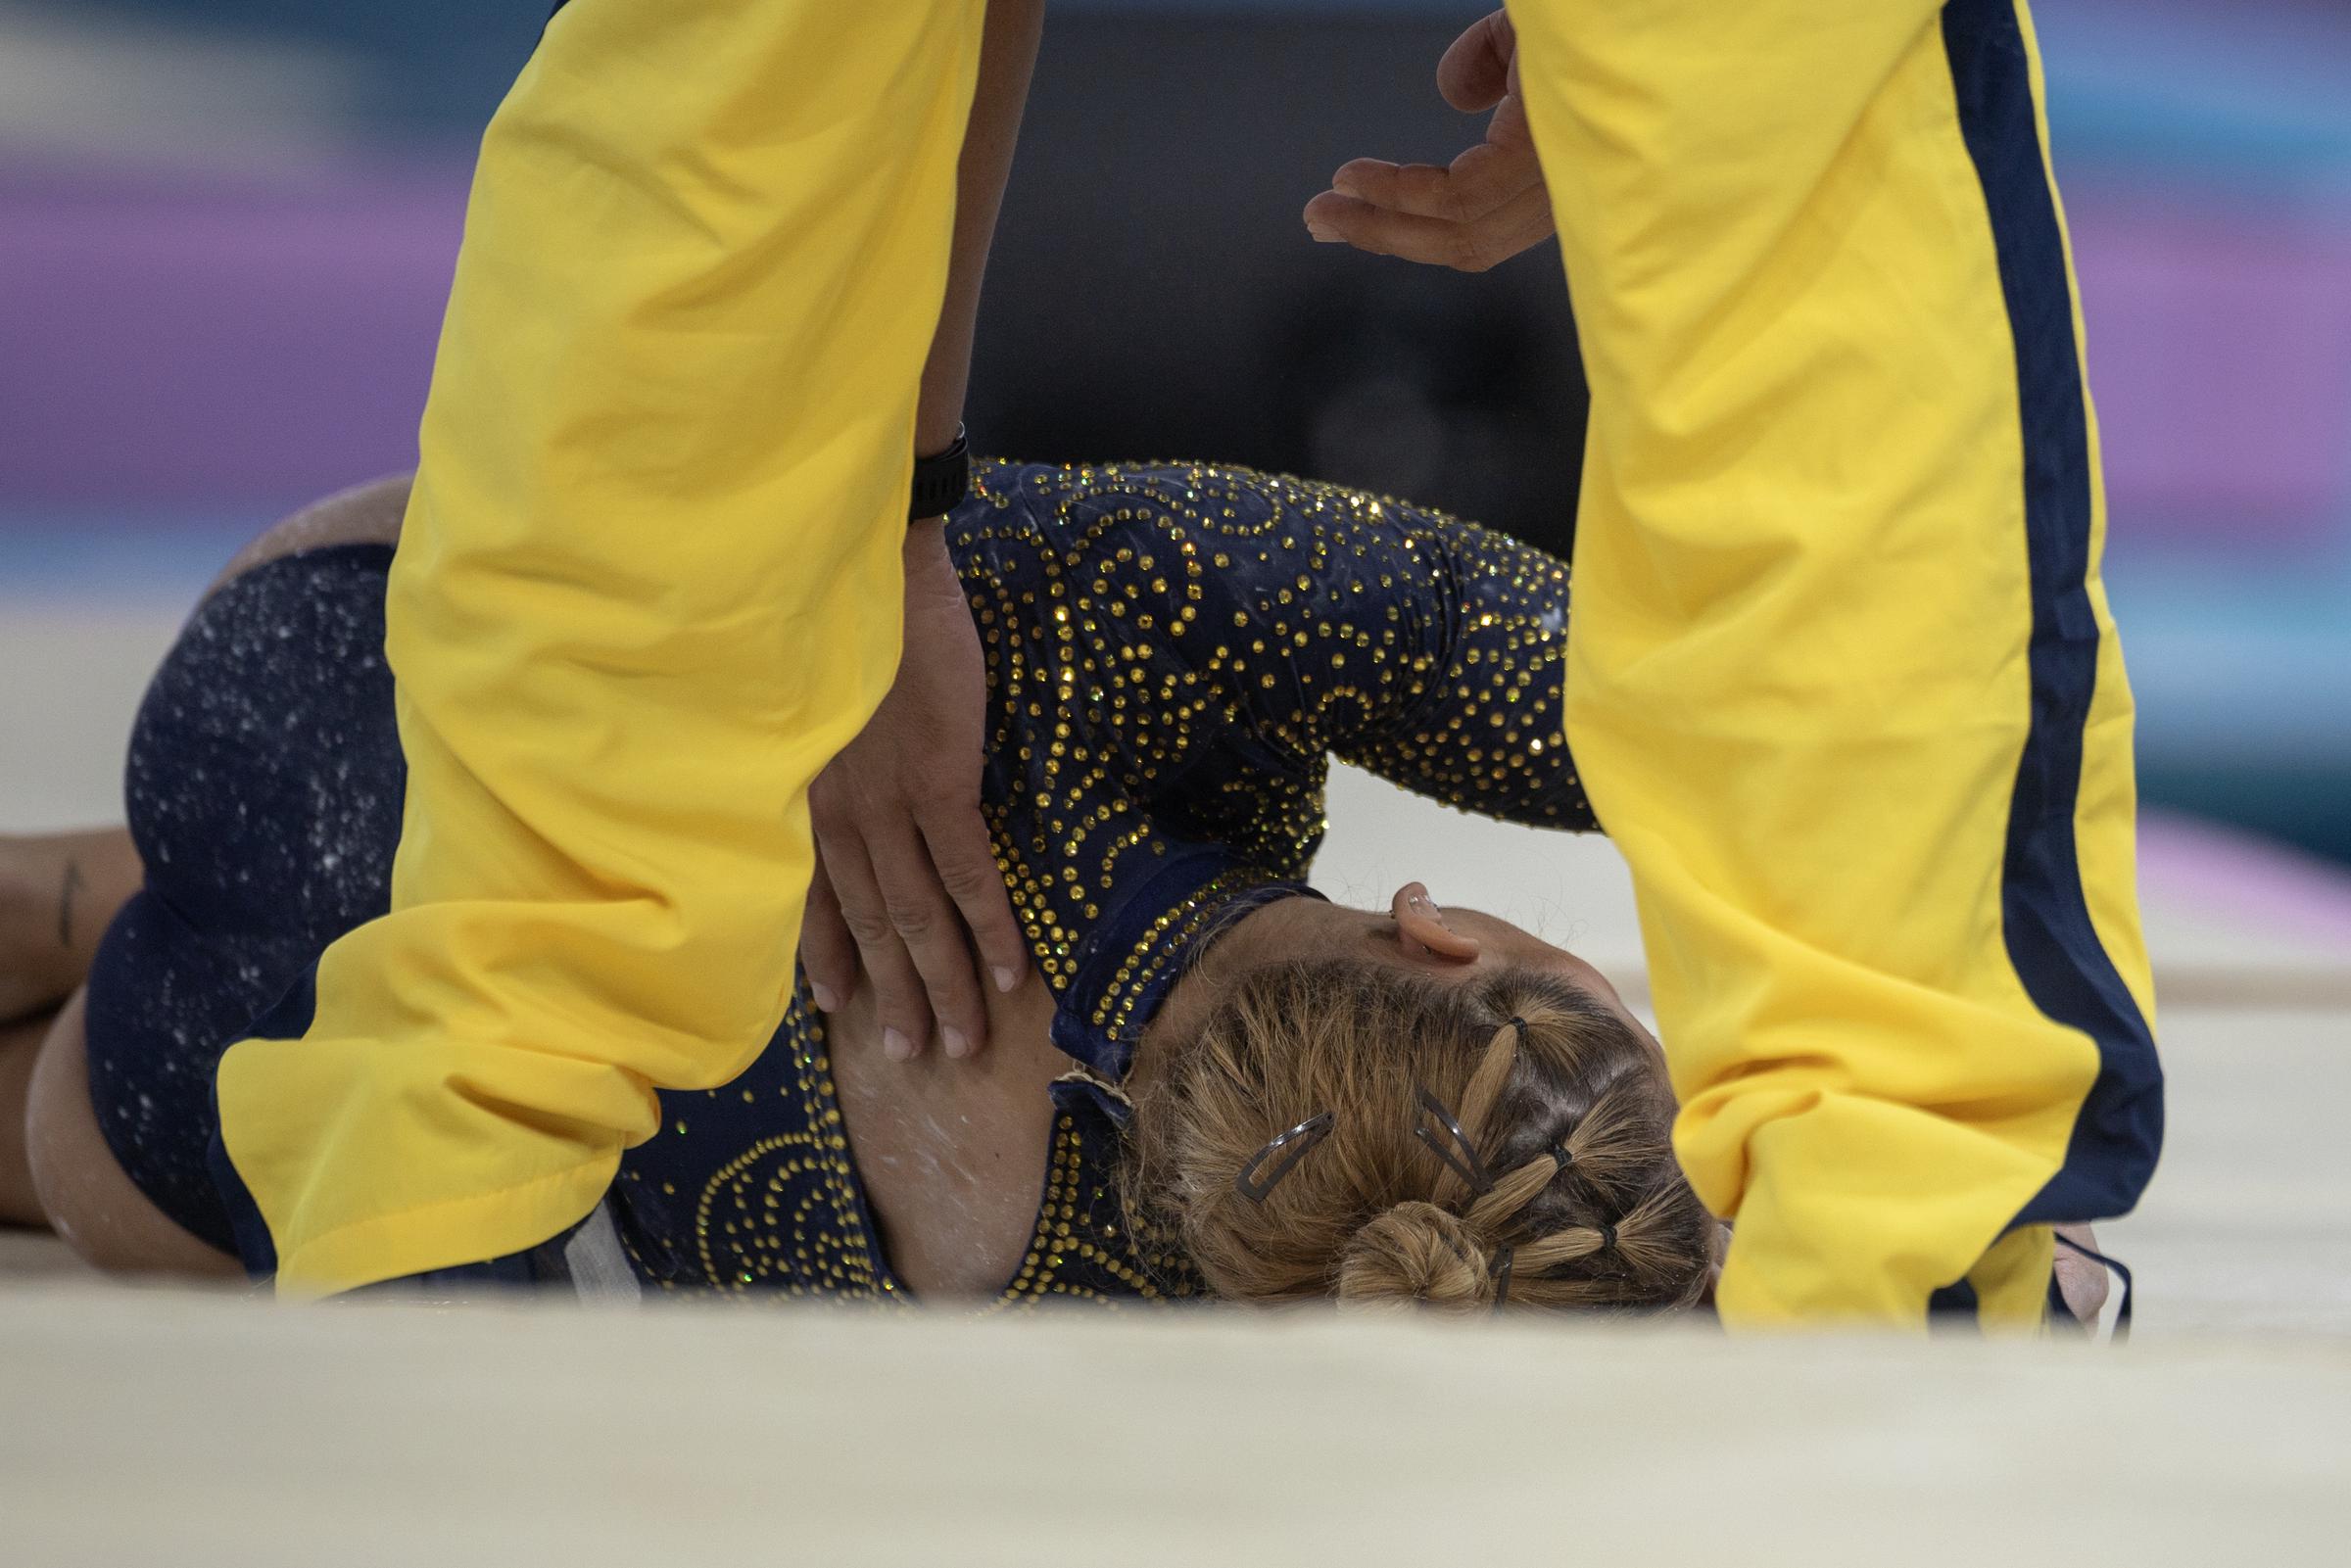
(89, 1201)
(365, 514)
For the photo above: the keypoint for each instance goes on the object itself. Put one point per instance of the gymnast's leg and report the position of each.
(82, 1191)
(19, 1046)
(57, 893)
(188, 966)
(56, 1170)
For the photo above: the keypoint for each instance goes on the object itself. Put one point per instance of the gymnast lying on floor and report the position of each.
(1215, 1084)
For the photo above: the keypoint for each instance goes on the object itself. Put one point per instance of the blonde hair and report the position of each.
(1563, 1105)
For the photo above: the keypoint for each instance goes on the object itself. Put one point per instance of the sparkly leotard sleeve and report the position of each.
(1173, 654)
(1294, 621)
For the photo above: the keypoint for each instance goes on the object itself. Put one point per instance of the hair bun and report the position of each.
(1415, 1252)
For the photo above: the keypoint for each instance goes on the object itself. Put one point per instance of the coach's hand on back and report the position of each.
(907, 887)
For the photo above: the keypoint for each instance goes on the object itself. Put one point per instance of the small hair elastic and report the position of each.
(1608, 1236)
(1297, 1141)
(1519, 1023)
(1462, 1157)
(1561, 1156)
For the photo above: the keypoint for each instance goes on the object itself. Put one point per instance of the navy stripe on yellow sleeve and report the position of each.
(2055, 949)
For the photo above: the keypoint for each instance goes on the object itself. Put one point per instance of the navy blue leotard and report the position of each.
(1173, 655)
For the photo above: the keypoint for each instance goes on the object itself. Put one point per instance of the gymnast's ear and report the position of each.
(1421, 927)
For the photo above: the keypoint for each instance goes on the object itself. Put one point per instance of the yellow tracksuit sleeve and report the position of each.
(1842, 678)
(649, 585)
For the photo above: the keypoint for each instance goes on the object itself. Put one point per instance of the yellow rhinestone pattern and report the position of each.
(1173, 653)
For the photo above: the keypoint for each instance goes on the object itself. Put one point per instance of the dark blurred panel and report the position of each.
(1153, 292)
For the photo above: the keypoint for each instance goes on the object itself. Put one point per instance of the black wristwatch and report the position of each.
(942, 480)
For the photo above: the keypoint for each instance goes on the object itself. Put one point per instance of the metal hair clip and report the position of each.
(1462, 1159)
(1298, 1141)
(1504, 1262)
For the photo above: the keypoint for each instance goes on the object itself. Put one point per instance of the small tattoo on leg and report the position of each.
(64, 903)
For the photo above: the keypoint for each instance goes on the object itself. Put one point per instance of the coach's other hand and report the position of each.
(1483, 208)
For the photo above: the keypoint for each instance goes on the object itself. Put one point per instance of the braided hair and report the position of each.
(1497, 1142)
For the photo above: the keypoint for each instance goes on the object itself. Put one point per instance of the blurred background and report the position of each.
(226, 229)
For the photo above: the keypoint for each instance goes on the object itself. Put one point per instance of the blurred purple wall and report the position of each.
(171, 343)
(175, 343)
(2220, 352)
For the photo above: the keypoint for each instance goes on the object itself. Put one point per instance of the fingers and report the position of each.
(1480, 182)
(898, 997)
(1476, 70)
(966, 863)
(926, 921)
(1471, 246)
(1483, 208)
(828, 953)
